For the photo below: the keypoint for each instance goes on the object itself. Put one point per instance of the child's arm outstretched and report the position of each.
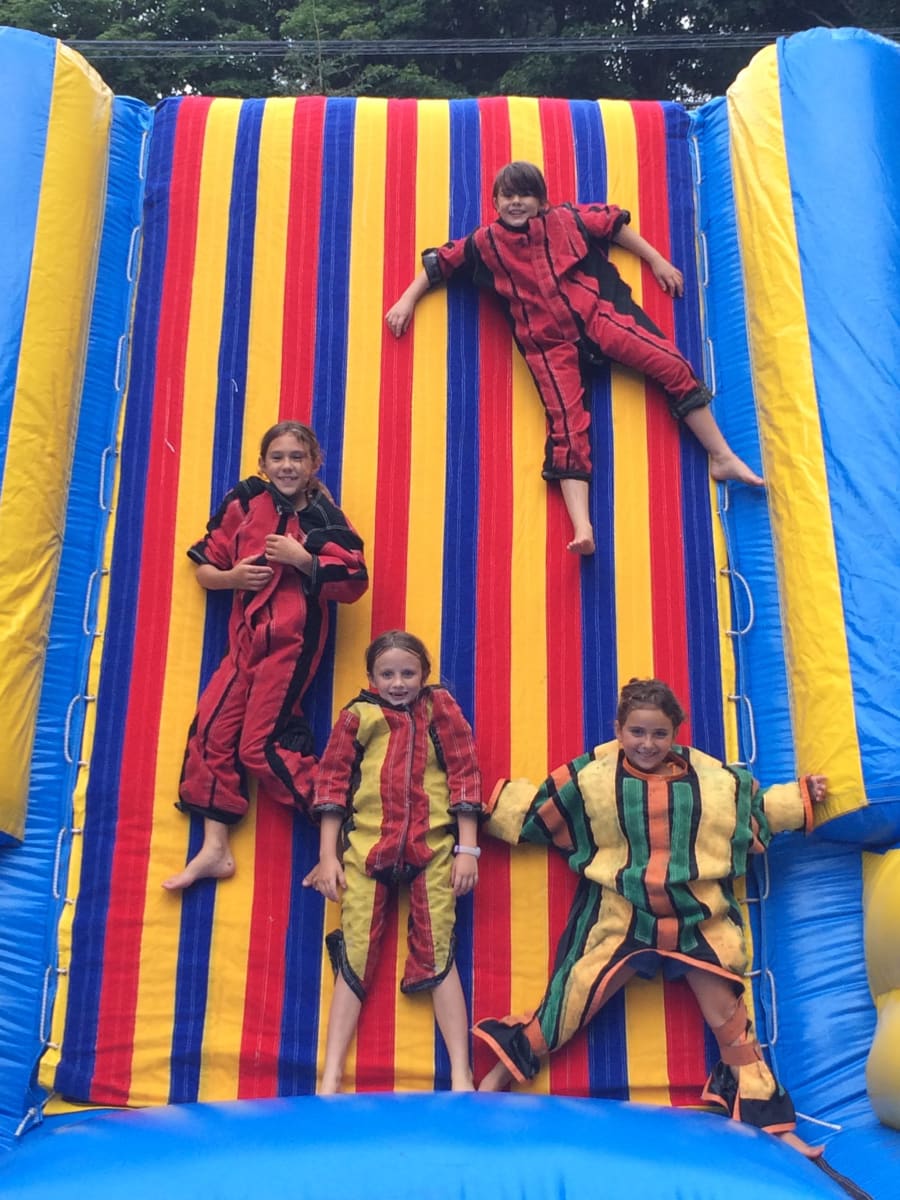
(400, 314)
(668, 277)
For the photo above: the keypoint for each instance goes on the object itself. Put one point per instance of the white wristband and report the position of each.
(475, 851)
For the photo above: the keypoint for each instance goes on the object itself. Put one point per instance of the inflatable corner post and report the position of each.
(272, 236)
(53, 180)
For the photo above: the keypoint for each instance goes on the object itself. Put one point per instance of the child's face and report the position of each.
(516, 210)
(397, 676)
(289, 465)
(646, 735)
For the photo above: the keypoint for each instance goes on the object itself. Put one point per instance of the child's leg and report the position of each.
(213, 860)
(576, 496)
(342, 1021)
(500, 1075)
(723, 462)
(558, 376)
(726, 1015)
(453, 1022)
(276, 743)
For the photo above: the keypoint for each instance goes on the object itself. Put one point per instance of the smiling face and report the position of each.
(646, 735)
(397, 675)
(290, 465)
(516, 209)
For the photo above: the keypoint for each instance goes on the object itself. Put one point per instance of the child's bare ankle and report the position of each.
(582, 541)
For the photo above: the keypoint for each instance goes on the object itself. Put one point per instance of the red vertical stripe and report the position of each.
(565, 717)
(118, 1000)
(492, 951)
(685, 1044)
(684, 1027)
(376, 1050)
(375, 1043)
(666, 554)
(301, 269)
(395, 397)
(264, 985)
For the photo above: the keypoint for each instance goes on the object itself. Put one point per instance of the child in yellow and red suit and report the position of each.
(657, 832)
(399, 784)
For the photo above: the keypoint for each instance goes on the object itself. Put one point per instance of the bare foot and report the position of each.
(497, 1078)
(796, 1143)
(729, 466)
(582, 541)
(462, 1081)
(328, 1087)
(208, 863)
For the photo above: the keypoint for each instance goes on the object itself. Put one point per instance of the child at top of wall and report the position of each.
(570, 308)
(285, 549)
(399, 787)
(658, 832)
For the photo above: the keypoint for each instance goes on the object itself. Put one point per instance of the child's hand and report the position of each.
(464, 874)
(327, 877)
(249, 575)
(668, 277)
(399, 316)
(287, 550)
(818, 786)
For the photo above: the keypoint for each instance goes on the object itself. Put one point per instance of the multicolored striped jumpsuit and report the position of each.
(568, 307)
(249, 717)
(399, 775)
(657, 856)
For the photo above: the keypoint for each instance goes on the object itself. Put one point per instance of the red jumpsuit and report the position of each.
(249, 717)
(568, 306)
(398, 775)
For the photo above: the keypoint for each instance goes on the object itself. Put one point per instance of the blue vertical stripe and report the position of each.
(462, 499)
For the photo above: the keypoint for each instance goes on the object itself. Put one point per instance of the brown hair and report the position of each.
(301, 432)
(521, 179)
(649, 693)
(397, 639)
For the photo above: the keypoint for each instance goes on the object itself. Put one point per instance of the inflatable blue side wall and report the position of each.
(803, 346)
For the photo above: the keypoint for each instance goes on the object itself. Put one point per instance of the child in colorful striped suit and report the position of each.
(399, 786)
(285, 550)
(657, 832)
(570, 308)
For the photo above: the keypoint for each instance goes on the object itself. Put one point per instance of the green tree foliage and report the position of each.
(313, 63)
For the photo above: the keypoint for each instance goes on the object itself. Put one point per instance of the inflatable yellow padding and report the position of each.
(791, 440)
(46, 403)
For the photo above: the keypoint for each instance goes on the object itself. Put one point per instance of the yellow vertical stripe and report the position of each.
(425, 558)
(529, 939)
(266, 332)
(634, 612)
(791, 437)
(364, 334)
(47, 398)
